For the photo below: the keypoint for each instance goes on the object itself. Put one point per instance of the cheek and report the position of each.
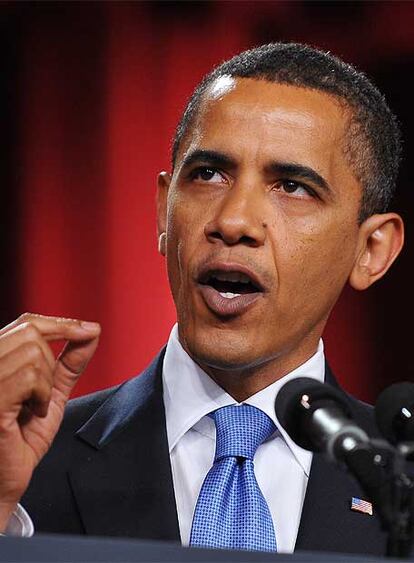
(333, 263)
(313, 261)
(184, 235)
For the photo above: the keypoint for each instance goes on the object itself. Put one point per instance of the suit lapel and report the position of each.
(123, 486)
(327, 522)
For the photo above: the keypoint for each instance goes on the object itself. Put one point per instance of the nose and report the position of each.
(238, 218)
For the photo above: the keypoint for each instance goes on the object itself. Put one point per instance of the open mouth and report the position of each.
(230, 284)
(229, 293)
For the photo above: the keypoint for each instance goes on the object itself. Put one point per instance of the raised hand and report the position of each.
(34, 389)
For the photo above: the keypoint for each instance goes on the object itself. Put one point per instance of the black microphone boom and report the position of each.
(394, 412)
(318, 418)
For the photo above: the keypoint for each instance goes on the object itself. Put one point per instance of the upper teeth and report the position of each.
(232, 277)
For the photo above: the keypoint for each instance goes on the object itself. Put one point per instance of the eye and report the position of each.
(206, 174)
(292, 187)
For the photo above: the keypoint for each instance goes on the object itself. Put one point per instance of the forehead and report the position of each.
(260, 120)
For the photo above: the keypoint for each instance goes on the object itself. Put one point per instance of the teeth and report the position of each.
(229, 295)
(232, 277)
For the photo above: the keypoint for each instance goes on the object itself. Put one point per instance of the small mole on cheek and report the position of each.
(264, 225)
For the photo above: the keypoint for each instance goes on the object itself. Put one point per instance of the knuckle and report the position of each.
(29, 374)
(30, 330)
(25, 316)
(33, 351)
(4, 423)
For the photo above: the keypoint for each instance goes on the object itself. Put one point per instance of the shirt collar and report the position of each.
(190, 394)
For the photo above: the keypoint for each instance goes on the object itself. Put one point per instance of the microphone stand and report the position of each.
(388, 486)
(401, 530)
(318, 419)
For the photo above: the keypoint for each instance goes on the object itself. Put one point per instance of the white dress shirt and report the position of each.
(281, 467)
(20, 524)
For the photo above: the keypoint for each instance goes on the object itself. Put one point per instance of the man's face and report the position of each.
(261, 224)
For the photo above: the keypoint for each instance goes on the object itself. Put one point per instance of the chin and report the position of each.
(222, 351)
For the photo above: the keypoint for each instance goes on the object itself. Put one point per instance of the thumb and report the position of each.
(71, 363)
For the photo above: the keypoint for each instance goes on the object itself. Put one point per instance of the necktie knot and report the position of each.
(240, 431)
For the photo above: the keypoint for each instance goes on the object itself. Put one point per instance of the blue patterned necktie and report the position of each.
(231, 511)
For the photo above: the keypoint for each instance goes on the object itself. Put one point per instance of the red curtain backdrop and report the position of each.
(99, 89)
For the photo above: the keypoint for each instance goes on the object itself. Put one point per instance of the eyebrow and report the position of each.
(213, 158)
(289, 169)
(299, 171)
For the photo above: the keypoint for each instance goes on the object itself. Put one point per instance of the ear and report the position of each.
(381, 239)
(163, 184)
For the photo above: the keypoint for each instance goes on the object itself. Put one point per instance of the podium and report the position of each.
(66, 549)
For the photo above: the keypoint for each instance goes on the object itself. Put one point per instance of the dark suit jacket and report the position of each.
(108, 473)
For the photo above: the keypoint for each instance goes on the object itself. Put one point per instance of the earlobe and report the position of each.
(380, 242)
(163, 184)
(162, 244)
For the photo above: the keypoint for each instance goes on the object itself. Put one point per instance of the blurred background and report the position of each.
(90, 94)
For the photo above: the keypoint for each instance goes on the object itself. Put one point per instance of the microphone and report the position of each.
(318, 418)
(394, 412)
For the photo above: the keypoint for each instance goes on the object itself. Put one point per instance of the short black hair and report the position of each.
(373, 143)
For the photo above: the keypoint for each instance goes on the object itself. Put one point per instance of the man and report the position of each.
(284, 163)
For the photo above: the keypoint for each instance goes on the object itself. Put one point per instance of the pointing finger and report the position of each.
(57, 328)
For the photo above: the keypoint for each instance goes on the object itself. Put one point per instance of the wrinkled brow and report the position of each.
(288, 169)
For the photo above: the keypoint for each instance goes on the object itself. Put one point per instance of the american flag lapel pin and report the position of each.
(360, 505)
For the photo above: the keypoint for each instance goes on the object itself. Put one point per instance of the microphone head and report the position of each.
(296, 402)
(394, 412)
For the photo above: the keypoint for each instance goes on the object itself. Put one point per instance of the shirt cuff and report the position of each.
(20, 524)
